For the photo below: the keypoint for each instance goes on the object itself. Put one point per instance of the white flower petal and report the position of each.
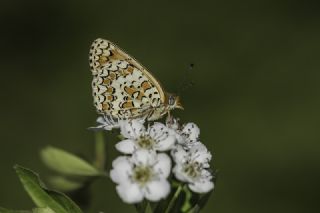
(192, 130)
(205, 174)
(106, 122)
(200, 147)
(100, 120)
(130, 193)
(203, 186)
(180, 139)
(132, 129)
(179, 154)
(163, 165)
(144, 157)
(126, 146)
(179, 174)
(190, 144)
(157, 190)
(122, 168)
(166, 144)
(200, 153)
(172, 123)
(158, 132)
(157, 129)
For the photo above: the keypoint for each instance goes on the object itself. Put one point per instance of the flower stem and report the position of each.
(174, 198)
(100, 151)
(143, 207)
(148, 208)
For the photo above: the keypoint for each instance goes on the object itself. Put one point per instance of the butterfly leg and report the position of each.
(149, 113)
(169, 115)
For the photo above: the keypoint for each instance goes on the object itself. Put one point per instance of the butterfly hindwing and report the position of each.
(121, 86)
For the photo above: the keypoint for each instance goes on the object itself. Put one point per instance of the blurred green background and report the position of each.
(256, 94)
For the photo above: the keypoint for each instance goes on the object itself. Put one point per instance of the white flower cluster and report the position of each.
(144, 170)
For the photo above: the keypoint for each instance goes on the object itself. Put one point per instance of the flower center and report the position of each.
(193, 170)
(145, 142)
(142, 174)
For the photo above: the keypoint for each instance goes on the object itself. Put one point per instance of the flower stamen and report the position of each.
(142, 175)
(145, 142)
(193, 170)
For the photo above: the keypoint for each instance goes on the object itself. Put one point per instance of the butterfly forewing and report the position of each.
(121, 86)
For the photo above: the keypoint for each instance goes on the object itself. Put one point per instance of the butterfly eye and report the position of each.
(171, 100)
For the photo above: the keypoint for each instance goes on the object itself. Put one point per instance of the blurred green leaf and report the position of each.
(67, 163)
(173, 202)
(120, 137)
(142, 206)
(36, 210)
(63, 184)
(43, 210)
(3, 210)
(43, 197)
(201, 200)
(148, 208)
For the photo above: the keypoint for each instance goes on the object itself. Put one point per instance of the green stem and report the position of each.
(143, 207)
(100, 151)
(174, 198)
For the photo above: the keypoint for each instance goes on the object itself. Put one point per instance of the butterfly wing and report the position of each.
(121, 86)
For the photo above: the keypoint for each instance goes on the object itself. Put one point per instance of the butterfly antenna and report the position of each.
(186, 83)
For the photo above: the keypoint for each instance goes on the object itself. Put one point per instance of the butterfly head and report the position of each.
(173, 101)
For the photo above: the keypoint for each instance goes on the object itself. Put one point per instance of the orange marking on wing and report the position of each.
(130, 90)
(102, 60)
(112, 75)
(127, 71)
(106, 106)
(145, 85)
(106, 81)
(133, 111)
(110, 98)
(130, 69)
(109, 90)
(127, 104)
(140, 96)
(116, 55)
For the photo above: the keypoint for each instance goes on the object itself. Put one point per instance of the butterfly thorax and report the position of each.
(171, 102)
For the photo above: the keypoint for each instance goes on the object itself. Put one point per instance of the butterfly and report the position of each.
(123, 89)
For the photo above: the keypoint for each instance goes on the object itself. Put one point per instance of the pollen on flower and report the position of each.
(192, 169)
(145, 142)
(142, 175)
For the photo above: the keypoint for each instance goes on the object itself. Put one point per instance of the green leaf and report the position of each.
(121, 137)
(3, 210)
(174, 203)
(148, 208)
(141, 207)
(204, 199)
(43, 197)
(200, 203)
(37, 210)
(63, 184)
(67, 163)
(43, 210)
